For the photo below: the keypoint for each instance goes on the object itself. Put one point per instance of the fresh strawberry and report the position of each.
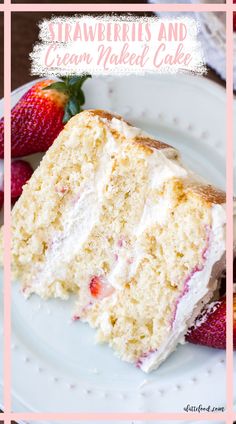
(41, 113)
(234, 319)
(234, 21)
(210, 326)
(21, 171)
(234, 18)
(1, 199)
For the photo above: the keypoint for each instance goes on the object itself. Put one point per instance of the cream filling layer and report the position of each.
(78, 221)
(81, 216)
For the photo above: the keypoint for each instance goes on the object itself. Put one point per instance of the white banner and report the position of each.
(117, 45)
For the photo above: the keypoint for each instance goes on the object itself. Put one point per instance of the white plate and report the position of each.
(56, 366)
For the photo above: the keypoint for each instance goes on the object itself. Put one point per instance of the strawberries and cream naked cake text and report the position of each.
(113, 215)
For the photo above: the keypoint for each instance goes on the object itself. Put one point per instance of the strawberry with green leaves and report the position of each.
(40, 115)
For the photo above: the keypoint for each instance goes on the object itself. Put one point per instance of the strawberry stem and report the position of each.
(71, 87)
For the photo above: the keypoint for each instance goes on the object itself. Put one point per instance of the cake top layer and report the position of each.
(193, 182)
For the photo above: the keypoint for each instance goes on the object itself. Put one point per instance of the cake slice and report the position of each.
(113, 215)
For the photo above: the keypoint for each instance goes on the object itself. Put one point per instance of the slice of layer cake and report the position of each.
(112, 215)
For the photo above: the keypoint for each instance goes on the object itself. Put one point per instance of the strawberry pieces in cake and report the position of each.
(99, 289)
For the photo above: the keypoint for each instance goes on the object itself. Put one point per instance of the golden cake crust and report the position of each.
(144, 141)
(207, 192)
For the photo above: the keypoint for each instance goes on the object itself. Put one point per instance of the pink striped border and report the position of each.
(7, 213)
(229, 205)
(7, 8)
(119, 416)
(117, 7)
